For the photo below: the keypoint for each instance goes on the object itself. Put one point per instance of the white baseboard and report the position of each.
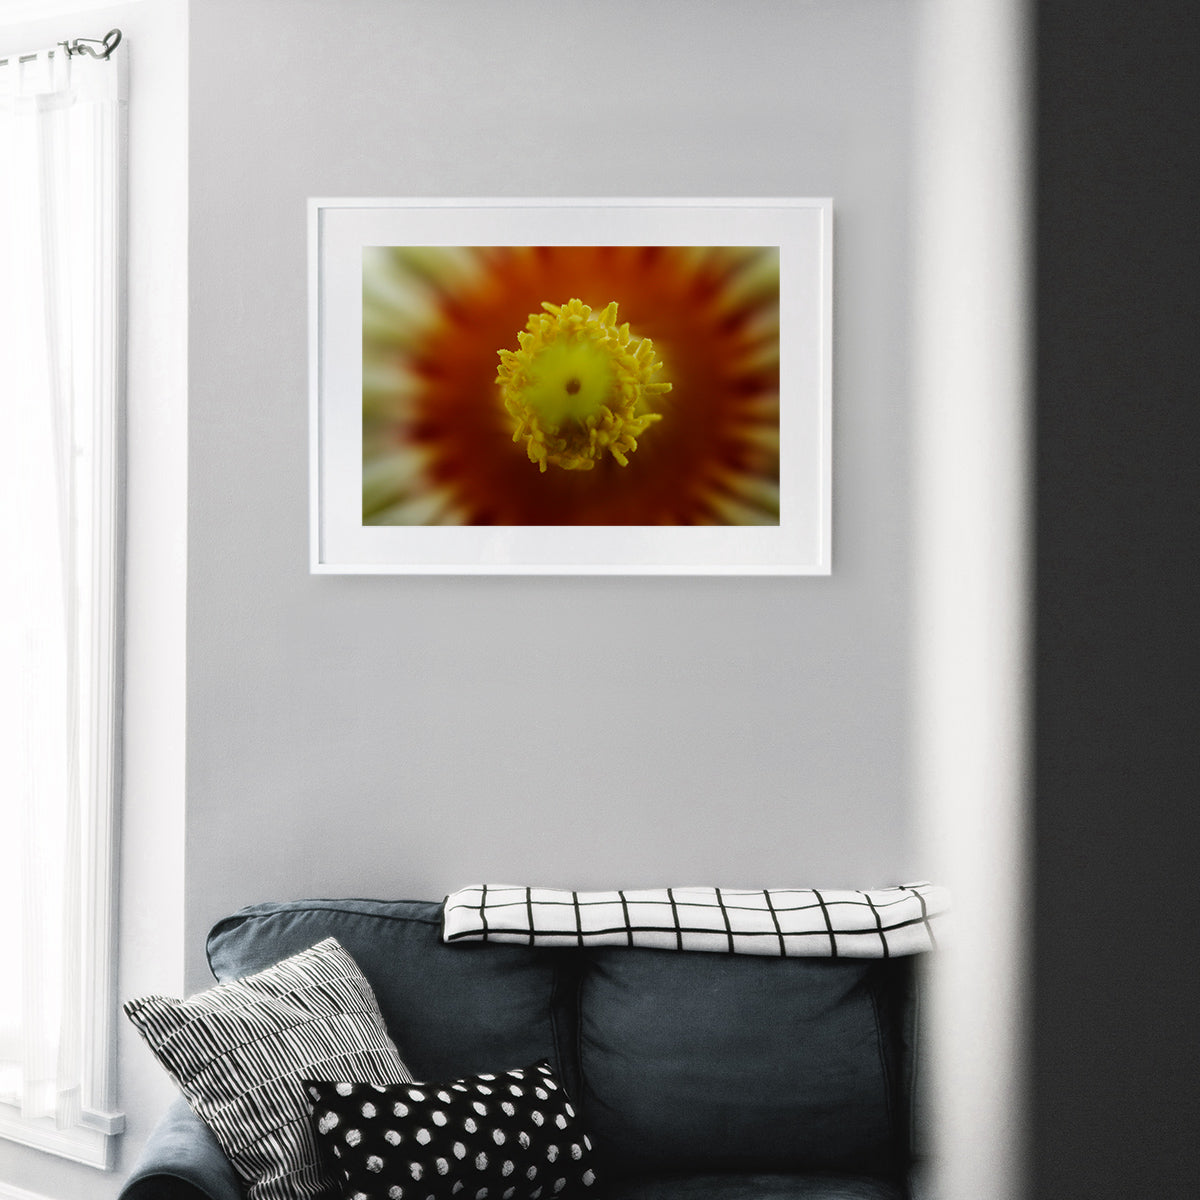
(9, 1192)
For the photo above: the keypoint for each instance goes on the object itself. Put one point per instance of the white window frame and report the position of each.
(92, 1140)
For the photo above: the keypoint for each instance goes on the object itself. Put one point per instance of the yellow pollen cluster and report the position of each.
(579, 386)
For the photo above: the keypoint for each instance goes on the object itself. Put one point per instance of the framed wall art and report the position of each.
(631, 386)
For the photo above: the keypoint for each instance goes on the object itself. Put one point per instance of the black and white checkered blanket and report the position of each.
(792, 922)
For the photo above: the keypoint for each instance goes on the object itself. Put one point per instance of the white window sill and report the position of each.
(91, 1142)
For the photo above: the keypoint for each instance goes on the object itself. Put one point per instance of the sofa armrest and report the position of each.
(182, 1161)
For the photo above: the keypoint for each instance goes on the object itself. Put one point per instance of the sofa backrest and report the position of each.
(451, 1010)
(697, 1061)
(677, 1060)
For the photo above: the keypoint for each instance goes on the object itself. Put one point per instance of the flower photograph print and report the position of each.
(571, 385)
(489, 401)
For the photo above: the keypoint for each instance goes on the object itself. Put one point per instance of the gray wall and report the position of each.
(389, 735)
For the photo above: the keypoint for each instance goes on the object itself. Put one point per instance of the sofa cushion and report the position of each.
(512, 1134)
(451, 1010)
(239, 1052)
(709, 1062)
(732, 1186)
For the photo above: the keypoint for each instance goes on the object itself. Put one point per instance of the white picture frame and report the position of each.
(342, 231)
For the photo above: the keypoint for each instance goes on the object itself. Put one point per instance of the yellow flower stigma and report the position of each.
(579, 387)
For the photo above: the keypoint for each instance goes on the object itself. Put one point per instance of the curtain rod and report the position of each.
(96, 47)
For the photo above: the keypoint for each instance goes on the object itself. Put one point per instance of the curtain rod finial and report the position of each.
(107, 44)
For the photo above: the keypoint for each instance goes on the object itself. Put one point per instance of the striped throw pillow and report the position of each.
(240, 1050)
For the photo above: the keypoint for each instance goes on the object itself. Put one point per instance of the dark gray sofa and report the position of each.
(699, 1076)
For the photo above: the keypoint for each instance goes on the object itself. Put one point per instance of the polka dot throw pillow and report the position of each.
(507, 1136)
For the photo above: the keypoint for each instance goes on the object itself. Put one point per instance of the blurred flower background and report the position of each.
(438, 439)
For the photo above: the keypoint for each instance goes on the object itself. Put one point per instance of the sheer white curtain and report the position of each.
(59, 377)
